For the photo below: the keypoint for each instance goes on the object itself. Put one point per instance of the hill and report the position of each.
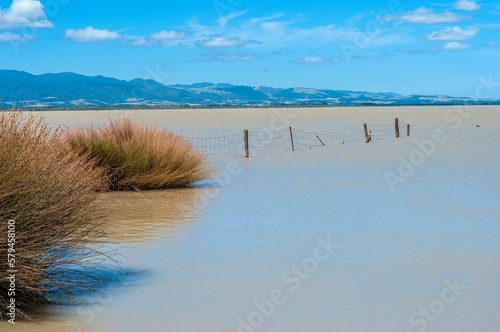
(69, 89)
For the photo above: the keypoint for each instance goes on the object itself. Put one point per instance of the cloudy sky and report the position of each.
(403, 46)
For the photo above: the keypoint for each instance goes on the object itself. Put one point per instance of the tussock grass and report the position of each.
(140, 157)
(50, 193)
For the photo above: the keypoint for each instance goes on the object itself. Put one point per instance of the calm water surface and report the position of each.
(423, 257)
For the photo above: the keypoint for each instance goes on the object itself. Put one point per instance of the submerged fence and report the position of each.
(265, 142)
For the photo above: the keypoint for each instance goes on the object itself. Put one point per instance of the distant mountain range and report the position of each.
(73, 90)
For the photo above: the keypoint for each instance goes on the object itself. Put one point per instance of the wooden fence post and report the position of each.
(408, 129)
(245, 138)
(368, 137)
(291, 138)
(396, 124)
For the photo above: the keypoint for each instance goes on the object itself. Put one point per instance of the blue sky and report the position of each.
(403, 46)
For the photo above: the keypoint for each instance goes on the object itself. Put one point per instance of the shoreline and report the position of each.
(225, 107)
(228, 121)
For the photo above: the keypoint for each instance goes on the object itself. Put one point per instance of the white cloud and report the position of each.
(89, 34)
(454, 33)
(455, 46)
(225, 19)
(413, 51)
(259, 20)
(264, 31)
(278, 31)
(141, 42)
(490, 25)
(10, 37)
(273, 33)
(168, 35)
(316, 60)
(469, 5)
(222, 42)
(225, 56)
(424, 15)
(24, 13)
(312, 60)
(366, 56)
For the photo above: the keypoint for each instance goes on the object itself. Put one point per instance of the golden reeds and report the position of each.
(140, 157)
(50, 194)
(49, 181)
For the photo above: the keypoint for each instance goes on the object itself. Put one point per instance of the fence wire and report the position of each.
(382, 132)
(220, 147)
(269, 142)
(265, 142)
(308, 140)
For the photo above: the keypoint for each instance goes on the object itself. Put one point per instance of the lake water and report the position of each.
(309, 241)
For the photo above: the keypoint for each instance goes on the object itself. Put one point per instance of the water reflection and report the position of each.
(136, 217)
(133, 219)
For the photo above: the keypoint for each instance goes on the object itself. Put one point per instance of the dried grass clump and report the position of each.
(50, 193)
(140, 157)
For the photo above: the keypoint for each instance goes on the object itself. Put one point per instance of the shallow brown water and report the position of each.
(149, 215)
(210, 264)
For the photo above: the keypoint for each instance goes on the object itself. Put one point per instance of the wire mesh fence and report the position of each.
(307, 140)
(268, 142)
(381, 132)
(265, 142)
(220, 147)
